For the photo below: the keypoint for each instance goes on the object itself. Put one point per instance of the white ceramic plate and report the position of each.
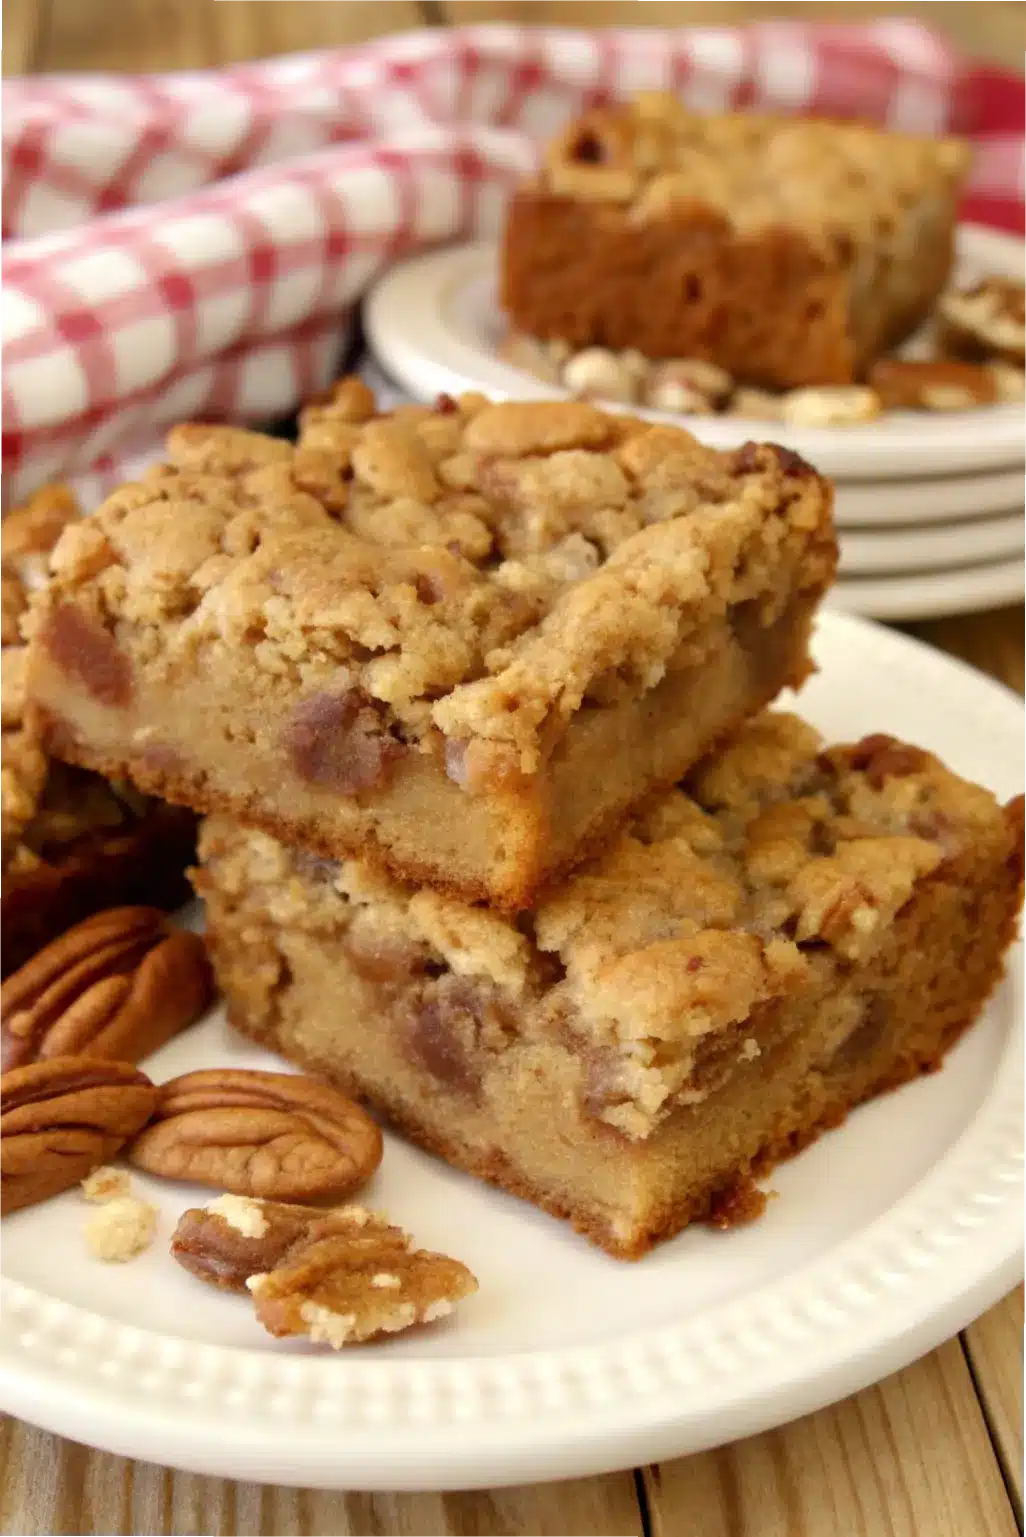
(882, 503)
(944, 546)
(931, 594)
(887, 1236)
(435, 324)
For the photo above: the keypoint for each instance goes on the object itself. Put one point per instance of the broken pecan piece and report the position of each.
(277, 1135)
(87, 652)
(116, 986)
(346, 1287)
(987, 320)
(339, 1276)
(934, 385)
(62, 1118)
(341, 741)
(236, 1237)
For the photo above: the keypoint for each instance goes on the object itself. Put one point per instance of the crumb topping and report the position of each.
(777, 860)
(106, 1184)
(27, 535)
(759, 171)
(242, 1213)
(42, 803)
(458, 580)
(121, 1229)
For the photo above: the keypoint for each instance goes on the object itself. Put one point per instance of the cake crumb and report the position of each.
(242, 1213)
(740, 1203)
(106, 1184)
(121, 1229)
(326, 1327)
(438, 1309)
(389, 1282)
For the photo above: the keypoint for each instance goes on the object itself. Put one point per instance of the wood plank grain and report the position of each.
(994, 1346)
(991, 641)
(996, 32)
(53, 1486)
(23, 26)
(193, 34)
(906, 1458)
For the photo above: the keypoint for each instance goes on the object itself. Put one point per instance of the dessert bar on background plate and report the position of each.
(789, 252)
(799, 930)
(463, 640)
(72, 842)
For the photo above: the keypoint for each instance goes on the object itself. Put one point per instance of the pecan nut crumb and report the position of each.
(881, 757)
(116, 986)
(274, 1135)
(87, 652)
(61, 1119)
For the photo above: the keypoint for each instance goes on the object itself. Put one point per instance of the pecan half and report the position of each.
(116, 986)
(278, 1135)
(63, 1118)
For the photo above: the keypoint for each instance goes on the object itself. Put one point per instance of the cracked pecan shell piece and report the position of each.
(274, 1135)
(116, 986)
(62, 1118)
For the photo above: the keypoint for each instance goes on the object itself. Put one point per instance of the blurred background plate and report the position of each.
(435, 324)
(928, 595)
(944, 546)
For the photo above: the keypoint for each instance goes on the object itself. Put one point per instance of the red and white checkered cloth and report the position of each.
(189, 245)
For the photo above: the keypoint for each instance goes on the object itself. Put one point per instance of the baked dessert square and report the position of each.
(72, 843)
(462, 641)
(795, 930)
(790, 252)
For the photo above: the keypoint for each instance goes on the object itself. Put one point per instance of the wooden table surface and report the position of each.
(935, 1451)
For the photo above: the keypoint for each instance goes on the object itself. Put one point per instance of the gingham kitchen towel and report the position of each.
(190, 245)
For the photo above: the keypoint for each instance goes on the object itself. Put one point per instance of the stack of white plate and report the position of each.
(929, 506)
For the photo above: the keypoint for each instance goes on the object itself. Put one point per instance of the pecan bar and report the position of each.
(72, 843)
(461, 640)
(789, 252)
(795, 931)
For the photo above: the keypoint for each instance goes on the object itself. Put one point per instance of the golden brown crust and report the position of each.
(788, 252)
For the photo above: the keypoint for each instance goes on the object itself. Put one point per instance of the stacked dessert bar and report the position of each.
(497, 835)
(72, 842)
